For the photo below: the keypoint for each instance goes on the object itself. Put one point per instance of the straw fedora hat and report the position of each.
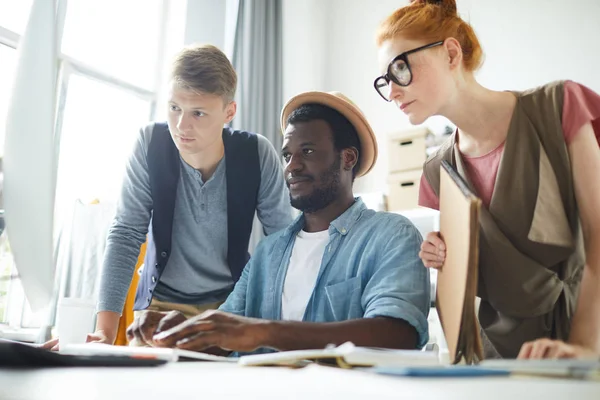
(345, 106)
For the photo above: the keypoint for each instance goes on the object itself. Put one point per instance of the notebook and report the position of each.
(457, 279)
(346, 355)
(442, 371)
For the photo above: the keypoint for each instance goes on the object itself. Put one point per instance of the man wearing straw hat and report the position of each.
(340, 272)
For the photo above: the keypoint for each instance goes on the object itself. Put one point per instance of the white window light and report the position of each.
(98, 64)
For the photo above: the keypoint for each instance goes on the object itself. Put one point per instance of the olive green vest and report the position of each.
(531, 244)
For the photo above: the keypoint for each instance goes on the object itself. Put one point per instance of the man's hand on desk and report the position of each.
(151, 323)
(553, 349)
(96, 337)
(215, 329)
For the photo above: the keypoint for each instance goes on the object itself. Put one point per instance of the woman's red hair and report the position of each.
(433, 20)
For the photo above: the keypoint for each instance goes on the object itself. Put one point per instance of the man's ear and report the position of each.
(230, 110)
(349, 158)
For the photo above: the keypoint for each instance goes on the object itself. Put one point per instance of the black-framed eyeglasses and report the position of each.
(398, 71)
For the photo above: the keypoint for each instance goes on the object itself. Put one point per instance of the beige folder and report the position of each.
(457, 279)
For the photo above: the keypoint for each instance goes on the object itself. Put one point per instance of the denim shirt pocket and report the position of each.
(344, 299)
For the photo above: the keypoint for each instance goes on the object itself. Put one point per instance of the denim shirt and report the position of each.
(370, 268)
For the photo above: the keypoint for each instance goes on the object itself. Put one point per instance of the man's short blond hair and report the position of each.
(205, 69)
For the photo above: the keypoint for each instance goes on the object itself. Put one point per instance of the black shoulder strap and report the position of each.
(163, 169)
(243, 182)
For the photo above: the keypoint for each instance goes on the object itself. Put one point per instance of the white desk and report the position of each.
(222, 381)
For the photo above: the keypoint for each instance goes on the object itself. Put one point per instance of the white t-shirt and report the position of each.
(302, 273)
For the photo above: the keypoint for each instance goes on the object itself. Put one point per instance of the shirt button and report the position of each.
(344, 231)
(153, 279)
(163, 254)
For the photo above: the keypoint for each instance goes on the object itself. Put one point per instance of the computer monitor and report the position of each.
(29, 156)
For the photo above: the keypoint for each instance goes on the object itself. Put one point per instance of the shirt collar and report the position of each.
(343, 224)
(191, 171)
(195, 174)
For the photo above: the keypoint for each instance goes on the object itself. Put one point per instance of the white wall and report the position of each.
(527, 43)
(205, 22)
(352, 68)
(173, 42)
(305, 45)
(531, 42)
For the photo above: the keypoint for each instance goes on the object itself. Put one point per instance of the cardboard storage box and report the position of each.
(403, 190)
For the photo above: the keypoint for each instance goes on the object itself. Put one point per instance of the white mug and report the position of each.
(75, 320)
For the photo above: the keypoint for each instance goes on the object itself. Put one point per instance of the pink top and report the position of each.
(581, 105)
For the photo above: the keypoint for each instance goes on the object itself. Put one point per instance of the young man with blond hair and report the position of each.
(192, 188)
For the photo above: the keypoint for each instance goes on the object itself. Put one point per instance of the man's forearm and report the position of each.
(108, 323)
(120, 256)
(371, 332)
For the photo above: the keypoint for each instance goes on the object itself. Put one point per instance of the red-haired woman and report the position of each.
(532, 157)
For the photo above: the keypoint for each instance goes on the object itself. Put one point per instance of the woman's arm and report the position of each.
(585, 161)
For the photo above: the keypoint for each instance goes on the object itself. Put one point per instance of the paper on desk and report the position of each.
(566, 368)
(171, 355)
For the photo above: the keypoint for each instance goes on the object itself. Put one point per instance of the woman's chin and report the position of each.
(417, 119)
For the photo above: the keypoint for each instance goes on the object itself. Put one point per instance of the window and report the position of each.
(111, 63)
(7, 66)
(89, 134)
(14, 14)
(123, 43)
(8, 55)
